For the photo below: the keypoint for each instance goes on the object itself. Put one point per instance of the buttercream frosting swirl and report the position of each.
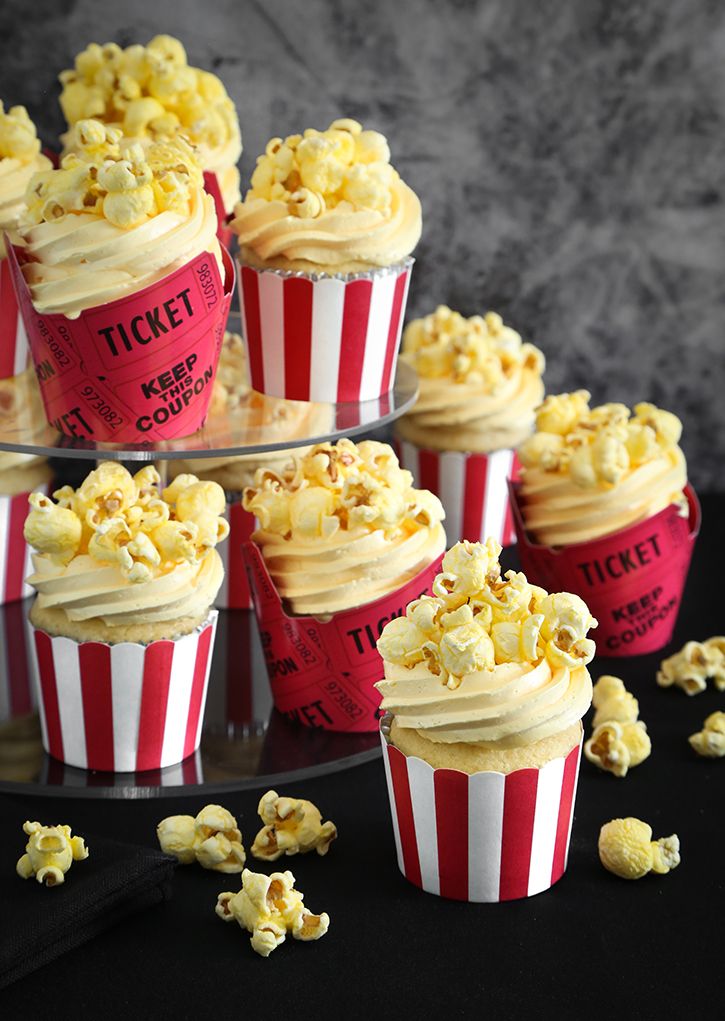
(479, 384)
(328, 201)
(343, 526)
(20, 158)
(592, 472)
(487, 659)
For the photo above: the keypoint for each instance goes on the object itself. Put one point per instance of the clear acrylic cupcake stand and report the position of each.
(245, 742)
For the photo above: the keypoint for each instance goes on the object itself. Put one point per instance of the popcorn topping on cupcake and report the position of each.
(18, 137)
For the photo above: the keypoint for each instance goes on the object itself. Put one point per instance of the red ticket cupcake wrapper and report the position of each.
(632, 581)
(126, 707)
(484, 837)
(473, 489)
(234, 593)
(322, 672)
(331, 339)
(17, 690)
(211, 187)
(14, 348)
(15, 554)
(136, 369)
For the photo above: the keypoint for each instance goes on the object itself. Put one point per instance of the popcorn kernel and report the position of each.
(291, 826)
(626, 848)
(212, 839)
(49, 853)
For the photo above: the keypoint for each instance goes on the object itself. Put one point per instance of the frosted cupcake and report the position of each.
(486, 683)
(126, 575)
(325, 232)
(479, 386)
(151, 94)
(20, 159)
(603, 507)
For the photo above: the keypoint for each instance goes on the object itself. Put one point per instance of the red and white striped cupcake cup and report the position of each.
(473, 489)
(234, 593)
(323, 338)
(484, 837)
(15, 554)
(123, 708)
(14, 347)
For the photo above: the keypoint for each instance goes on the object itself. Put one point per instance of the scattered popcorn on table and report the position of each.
(212, 838)
(710, 741)
(626, 848)
(269, 907)
(619, 740)
(292, 826)
(50, 852)
(693, 664)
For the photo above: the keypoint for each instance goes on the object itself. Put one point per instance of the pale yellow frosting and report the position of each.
(20, 158)
(479, 384)
(592, 472)
(487, 659)
(328, 201)
(343, 526)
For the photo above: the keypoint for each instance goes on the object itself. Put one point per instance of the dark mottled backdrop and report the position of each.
(569, 156)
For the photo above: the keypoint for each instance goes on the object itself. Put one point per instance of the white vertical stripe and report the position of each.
(422, 796)
(70, 701)
(35, 680)
(21, 346)
(496, 496)
(222, 598)
(546, 815)
(452, 485)
(393, 808)
(214, 617)
(127, 662)
(27, 590)
(485, 830)
(573, 802)
(376, 338)
(409, 460)
(261, 691)
(177, 707)
(403, 303)
(4, 541)
(271, 317)
(328, 303)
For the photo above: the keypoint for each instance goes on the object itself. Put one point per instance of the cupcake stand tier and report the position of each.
(245, 741)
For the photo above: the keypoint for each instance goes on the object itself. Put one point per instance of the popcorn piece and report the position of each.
(687, 669)
(50, 852)
(212, 838)
(341, 486)
(18, 137)
(111, 178)
(710, 741)
(626, 848)
(292, 826)
(716, 655)
(617, 747)
(269, 907)
(480, 350)
(122, 519)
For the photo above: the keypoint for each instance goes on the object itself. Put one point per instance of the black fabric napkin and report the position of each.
(39, 923)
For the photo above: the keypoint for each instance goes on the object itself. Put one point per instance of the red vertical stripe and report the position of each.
(509, 531)
(428, 470)
(8, 321)
(197, 688)
(154, 699)
(355, 315)
(568, 787)
(241, 526)
(49, 693)
(473, 498)
(297, 300)
(253, 326)
(518, 828)
(95, 669)
(15, 545)
(404, 811)
(240, 709)
(396, 316)
(16, 655)
(451, 801)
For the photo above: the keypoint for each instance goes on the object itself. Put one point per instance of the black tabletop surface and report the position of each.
(594, 946)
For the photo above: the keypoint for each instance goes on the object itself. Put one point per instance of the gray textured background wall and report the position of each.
(569, 156)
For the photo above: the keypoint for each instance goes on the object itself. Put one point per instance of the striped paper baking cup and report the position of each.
(484, 837)
(14, 349)
(323, 338)
(473, 489)
(234, 593)
(126, 707)
(15, 554)
(188, 773)
(17, 691)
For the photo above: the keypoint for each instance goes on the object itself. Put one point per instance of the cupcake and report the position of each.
(126, 574)
(20, 159)
(479, 386)
(325, 234)
(603, 507)
(151, 94)
(122, 288)
(343, 541)
(246, 411)
(486, 683)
